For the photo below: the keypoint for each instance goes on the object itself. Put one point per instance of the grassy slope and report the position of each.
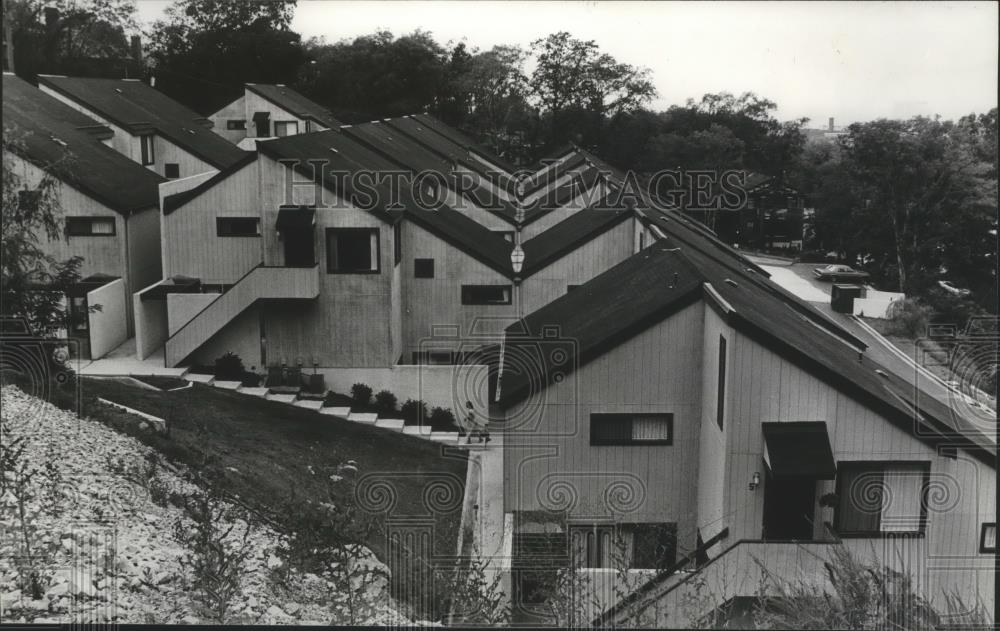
(273, 445)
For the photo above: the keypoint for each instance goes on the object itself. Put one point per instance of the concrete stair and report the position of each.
(417, 430)
(367, 418)
(395, 424)
(199, 378)
(336, 411)
(445, 437)
(227, 385)
(281, 398)
(309, 404)
(256, 392)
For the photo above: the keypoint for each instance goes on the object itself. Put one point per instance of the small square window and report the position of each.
(237, 226)
(171, 170)
(236, 125)
(570, 288)
(486, 294)
(423, 268)
(286, 128)
(352, 251)
(988, 538)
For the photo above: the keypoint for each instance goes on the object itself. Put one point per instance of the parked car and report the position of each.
(837, 273)
(951, 289)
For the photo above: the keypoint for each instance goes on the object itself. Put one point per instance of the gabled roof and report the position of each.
(175, 201)
(141, 109)
(579, 228)
(464, 141)
(685, 266)
(53, 136)
(290, 100)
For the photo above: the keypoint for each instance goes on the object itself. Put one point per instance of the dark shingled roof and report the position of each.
(462, 140)
(670, 274)
(139, 108)
(54, 136)
(579, 228)
(289, 99)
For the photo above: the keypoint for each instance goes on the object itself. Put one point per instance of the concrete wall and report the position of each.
(876, 304)
(150, 324)
(181, 308)
(144, 263)
(109, 326)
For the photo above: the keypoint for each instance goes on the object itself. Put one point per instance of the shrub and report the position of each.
(442, 419)
(229, 367)
(361, 393)
(386, 401)
(414, 412)
(909, 318)
(950, 309)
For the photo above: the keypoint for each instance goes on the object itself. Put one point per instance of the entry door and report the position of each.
(789, 508)
(262, 120)
(300, 251)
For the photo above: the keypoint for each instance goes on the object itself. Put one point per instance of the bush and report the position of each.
(950, 309)
(414, 412)
(909, 318)
(361, 393)
(442, 419)
(229, 367)
(385, 401)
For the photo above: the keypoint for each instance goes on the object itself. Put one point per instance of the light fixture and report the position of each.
(517, 258)
(754, 482)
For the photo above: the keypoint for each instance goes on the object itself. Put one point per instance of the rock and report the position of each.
(162, 578)
(10, 599)
(252, 602)
(277, 613)
(67, 545)
(292, 608)
(189, 619)
(83, 588)
(273, 562)
(42, 604)
(58, 590)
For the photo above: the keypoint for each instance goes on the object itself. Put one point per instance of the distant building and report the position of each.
(270, 111)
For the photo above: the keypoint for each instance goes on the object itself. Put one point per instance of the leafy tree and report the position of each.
(31, 216)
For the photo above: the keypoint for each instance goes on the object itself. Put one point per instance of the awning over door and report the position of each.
(799, 450)
(261, 116)
(295, 217)
(86, 285)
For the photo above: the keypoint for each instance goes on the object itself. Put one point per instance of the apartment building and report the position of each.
(680, 410)
(148, 126)
(269, 111)
(109, 209)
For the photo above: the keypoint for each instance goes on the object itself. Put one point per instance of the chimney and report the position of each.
(831, 123)
(135, 49)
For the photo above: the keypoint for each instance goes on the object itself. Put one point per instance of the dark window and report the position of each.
(90, 226)
(423, 268)
(233, 125)
(237, 226)
(28, 201)
(352, 251)
(309, 126)
(988, 538)
(486, 294)
(171, 170)
(570, 288)
(146, 147)
(397, 243)
(642, 241)
(508, 235)
(79, 322)
(442, 357)
(624, 546)
(720, 404)
(878, 499)
(631, 429)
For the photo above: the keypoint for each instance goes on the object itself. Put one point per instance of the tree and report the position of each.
(32, 283)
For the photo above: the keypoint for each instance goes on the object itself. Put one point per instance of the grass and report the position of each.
(930, 355)
(163, 383)
(269, 452)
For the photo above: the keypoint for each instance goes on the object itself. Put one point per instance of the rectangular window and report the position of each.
(146, 147)
(236, 125)
(508, 235)
(423, 268)
(28, 201)
(878, 499)
(309, 126)
(79, 321)
(171, 170)
(439, 358)
(631, 429)
(988, 538)
(720, 404)
(286, 128)
(352, 251)
(486, 294)
(237, 226)
(397, 243)
(624, 546)
(90, 226)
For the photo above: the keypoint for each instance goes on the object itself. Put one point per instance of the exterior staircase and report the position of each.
(261, 282)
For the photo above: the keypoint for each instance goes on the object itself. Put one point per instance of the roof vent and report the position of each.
(730, 281)
(334, 149)
(58, 141)
(881, 373)
(118, 90)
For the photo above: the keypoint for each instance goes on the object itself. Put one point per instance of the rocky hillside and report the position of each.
(99, 527)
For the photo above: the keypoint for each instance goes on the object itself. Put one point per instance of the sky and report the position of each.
(851, 61)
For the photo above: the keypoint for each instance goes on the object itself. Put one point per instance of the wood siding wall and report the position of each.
(549, 461)
(236, 110)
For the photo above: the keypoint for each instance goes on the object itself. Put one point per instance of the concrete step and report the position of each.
(228, 385)
(199, 378)
(445, 437)
(281, 398)
(417, 430)
(336, 411)
(311, 404)
(395, 424)
(368, 418)
(257, 392)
